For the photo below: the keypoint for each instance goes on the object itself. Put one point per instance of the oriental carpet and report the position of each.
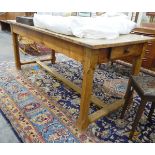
(42, 109)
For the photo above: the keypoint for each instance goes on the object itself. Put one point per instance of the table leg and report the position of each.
(135, 71)
(138, 61)
(88, 74)
(16, 51)
(53, 57)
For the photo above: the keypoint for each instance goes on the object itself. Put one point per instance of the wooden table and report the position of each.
(90, 53)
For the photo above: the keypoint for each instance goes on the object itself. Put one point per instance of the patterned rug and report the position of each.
(34, 49)
(43, 109)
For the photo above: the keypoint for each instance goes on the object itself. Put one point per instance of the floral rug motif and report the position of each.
(34, 49)
(43, 109)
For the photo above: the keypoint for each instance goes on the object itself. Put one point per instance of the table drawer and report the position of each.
(120, 52)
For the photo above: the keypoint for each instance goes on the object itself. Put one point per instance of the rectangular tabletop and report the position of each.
(91, 43)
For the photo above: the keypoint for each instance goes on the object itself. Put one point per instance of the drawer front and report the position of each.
(125, 51)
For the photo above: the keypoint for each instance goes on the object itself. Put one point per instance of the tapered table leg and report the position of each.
(138, 61)
(53, 57)
(88, 74)
(16, 51)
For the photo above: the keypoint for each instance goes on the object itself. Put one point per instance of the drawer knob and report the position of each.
(126, 51)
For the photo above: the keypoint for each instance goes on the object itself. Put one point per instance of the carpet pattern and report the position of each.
(43, 109)
(34, 49)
